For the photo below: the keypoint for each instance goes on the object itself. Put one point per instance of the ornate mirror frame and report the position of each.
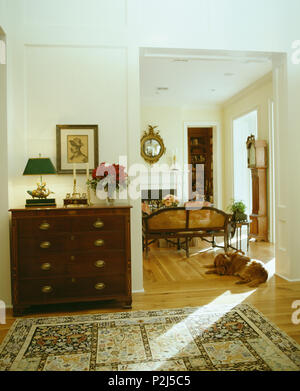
(152, 135)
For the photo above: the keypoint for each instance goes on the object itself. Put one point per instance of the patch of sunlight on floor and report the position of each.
(220, 306)
(230, 299)
(204, 250)
(270, 267)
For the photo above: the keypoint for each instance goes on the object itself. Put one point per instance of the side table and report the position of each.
(238, 227)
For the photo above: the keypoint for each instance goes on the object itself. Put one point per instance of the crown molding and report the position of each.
(179, 106)
(241, 94)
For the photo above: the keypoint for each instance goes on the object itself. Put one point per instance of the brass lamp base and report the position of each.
(37, 203)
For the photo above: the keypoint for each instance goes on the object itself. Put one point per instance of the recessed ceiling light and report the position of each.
(213, 90)
(228, 74)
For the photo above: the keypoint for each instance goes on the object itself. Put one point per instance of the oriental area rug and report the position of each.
(185, 339)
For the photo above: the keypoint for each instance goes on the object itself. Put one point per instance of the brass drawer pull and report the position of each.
(45, 244)
(47, 289)
(72, 257)
(46, 266)
(99, 263)
(98, 223)
(99, 286)
(44, 226)
(99, 242)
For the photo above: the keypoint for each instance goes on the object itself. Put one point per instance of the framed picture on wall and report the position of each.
(76, 144)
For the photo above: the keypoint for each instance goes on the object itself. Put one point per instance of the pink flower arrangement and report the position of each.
(170, 200)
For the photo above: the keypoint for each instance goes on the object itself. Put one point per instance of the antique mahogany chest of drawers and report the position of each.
(70, 255)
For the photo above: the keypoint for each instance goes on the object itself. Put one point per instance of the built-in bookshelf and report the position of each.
(200, 155)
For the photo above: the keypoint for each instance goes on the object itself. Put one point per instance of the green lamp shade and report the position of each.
(39, 166)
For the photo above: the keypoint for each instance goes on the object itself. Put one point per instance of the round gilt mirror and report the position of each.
(152, 145)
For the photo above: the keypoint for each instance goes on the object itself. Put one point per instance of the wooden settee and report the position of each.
(183, 223)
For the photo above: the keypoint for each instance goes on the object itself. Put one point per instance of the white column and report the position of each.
(5, 295)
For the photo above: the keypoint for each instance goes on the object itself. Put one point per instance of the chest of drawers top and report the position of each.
(35, 221)
(89, 211)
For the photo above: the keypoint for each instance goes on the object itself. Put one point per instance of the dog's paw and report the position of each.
(211, 272)
(242, 282)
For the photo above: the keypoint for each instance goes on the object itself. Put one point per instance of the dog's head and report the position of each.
(222, 262)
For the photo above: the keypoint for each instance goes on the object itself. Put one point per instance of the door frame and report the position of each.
(271, 158)
(217, 158)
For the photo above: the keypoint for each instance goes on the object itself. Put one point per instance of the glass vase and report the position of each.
(110, 201)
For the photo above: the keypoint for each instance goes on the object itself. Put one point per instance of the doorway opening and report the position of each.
(183, 91)
(200, 159)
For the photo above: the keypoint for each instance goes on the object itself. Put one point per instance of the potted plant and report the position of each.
(238, 209)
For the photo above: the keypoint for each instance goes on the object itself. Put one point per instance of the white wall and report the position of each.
(66, 86)
(94, 26)
(70, 64)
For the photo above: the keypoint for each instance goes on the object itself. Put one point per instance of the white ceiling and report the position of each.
(183, 77)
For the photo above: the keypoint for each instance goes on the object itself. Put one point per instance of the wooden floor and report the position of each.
(172, 281)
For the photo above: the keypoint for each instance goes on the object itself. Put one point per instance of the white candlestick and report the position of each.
(87, 171)
(74, 171)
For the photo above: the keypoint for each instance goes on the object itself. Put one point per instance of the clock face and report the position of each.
(251, 156)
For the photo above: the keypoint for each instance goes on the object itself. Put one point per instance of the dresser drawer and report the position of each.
(41, 291)
(42, 245)
(96, 241)
(92, 263)
(43, 225)
(49, 289)
(73, 263)
(98, 223)
(55, 243)
(43, 266)
(96, 286)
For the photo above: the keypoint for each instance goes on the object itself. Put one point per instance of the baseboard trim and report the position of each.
(287, 279)
(139, 291)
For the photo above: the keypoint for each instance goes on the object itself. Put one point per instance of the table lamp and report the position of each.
(39, 166)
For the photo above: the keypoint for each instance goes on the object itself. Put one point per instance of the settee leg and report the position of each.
(146, 246)
(187, 249)
(225, 245)
(213, 242)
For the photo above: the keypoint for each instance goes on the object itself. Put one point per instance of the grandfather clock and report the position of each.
(257, 162)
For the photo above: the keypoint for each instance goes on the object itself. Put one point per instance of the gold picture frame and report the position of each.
(152, 145)
(76, 144)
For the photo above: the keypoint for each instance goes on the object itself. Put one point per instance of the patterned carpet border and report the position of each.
(219, 337)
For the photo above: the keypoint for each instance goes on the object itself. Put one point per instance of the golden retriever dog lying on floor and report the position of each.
(251, 272)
